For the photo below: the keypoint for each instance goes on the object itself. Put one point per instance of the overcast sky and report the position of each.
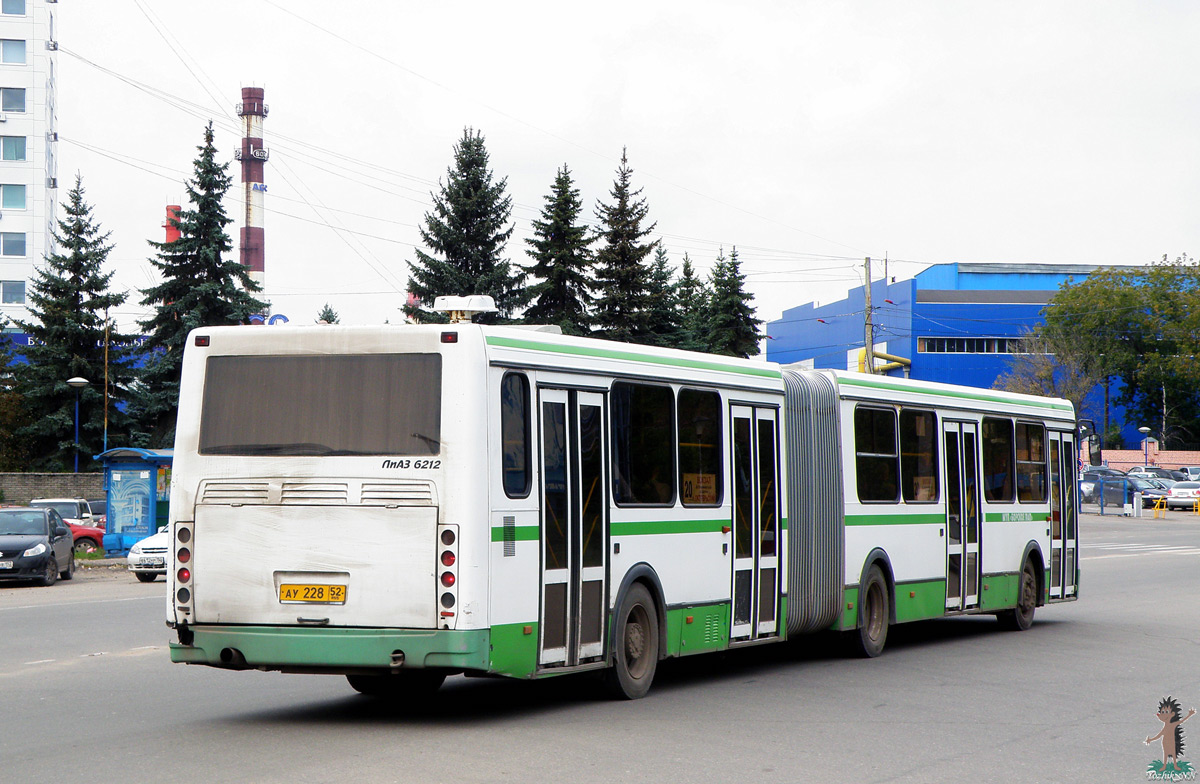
(807, 134)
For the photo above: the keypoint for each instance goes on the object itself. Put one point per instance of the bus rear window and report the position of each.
(362, 404)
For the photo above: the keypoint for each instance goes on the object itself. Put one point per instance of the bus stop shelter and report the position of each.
(137, 486)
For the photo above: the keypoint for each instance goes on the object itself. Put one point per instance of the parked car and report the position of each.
(1183, 495)
(1106, 470)
(99, 506)
(70, 509)
(148, 558)
(35, 544)
(1159, 482)
(1118, 490)
(1165, 473)
(1193, 473)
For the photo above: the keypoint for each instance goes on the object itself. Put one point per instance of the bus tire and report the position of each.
(1020, 617)
(874, 613)
(635, 646)
(409, 683)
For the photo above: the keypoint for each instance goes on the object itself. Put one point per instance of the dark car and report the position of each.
(35, 544)
(1118, 490)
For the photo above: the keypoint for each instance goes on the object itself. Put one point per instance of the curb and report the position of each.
(106, 563)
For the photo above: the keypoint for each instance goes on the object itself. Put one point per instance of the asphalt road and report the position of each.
(89, 694)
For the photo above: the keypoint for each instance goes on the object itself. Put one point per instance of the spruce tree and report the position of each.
(622, 276)
(731, 321)
(200, 288)
(664, 316)
(692, 298)
(327, 315)
(562, 260)
(466, 233)
(69, 301)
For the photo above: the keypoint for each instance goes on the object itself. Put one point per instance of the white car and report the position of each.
(1183, 495)
(148, 558)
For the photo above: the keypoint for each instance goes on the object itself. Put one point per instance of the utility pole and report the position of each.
(870, 328)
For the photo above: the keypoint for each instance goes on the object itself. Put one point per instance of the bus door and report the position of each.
(755, 463)
(573, 529)
(1063, 527)
(962, 514)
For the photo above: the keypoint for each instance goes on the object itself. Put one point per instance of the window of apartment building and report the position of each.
(968, 345)
(13, 7)
(12, 99)
(12, 51)
(12, 243)
(12, 197)
(12, 292)
(12, 148)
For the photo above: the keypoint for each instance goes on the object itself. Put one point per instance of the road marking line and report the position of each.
(89, 601)
(42, 661)
(97, 653)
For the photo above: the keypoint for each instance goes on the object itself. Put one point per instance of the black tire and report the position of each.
(874, 615)
(69, 572)
(146, 577)
(408, 683)
(51, 574)
(635, 646)
(1020, 617)
(85, 545)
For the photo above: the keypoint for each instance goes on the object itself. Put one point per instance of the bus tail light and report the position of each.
(183, 591)
(447, 571)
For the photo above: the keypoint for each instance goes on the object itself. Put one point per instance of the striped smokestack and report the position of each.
(253, 155)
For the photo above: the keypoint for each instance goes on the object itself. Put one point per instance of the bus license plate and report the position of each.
(293, 593)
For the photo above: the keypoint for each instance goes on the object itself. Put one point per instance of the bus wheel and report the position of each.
(636, 646)
(1020, 618)
(411, 683)
(873, 614)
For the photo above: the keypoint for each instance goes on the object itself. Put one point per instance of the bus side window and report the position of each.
(643, 444)
(918, 456)
(1031, 463)
(997, 460)
(700, 448)
(877, 464)
(515, 435)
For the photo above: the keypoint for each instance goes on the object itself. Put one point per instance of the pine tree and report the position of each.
(692, 298)
(731, 322)
(327, 315)
(622, 276)
(664, 315)
(69, 303)
(200, 288)
(466, 231)
(562, 260)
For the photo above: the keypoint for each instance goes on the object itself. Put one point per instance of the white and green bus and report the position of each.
(400, 503)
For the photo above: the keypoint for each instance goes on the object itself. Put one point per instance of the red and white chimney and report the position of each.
(253, 155)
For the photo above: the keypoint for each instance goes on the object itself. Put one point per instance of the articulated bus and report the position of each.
(400, 503)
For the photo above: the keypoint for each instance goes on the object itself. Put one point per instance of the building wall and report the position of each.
(36, 76)
(21, 488)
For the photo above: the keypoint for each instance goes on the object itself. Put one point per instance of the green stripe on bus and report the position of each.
(895, 519)
(632, 356)
(641, 528)
(521, 533)
(990, 398)
(1016, 517)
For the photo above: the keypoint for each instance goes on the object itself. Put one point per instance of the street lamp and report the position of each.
(77, 383)
(1145, 431)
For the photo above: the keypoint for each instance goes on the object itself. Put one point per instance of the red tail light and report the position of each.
(184, 555)
(448, 558)
(183, 575)
(447, 579)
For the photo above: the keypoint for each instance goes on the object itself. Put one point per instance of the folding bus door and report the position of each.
(573, 527)
(756, 505)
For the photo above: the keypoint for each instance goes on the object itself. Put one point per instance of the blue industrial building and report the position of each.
(955, 323)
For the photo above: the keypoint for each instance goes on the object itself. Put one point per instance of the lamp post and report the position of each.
(1145, 431)
(77, 383)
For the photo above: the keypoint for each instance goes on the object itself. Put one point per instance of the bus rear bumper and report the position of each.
(338, 650)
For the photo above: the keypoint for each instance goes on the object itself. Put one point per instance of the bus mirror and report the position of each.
(1087, 431)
